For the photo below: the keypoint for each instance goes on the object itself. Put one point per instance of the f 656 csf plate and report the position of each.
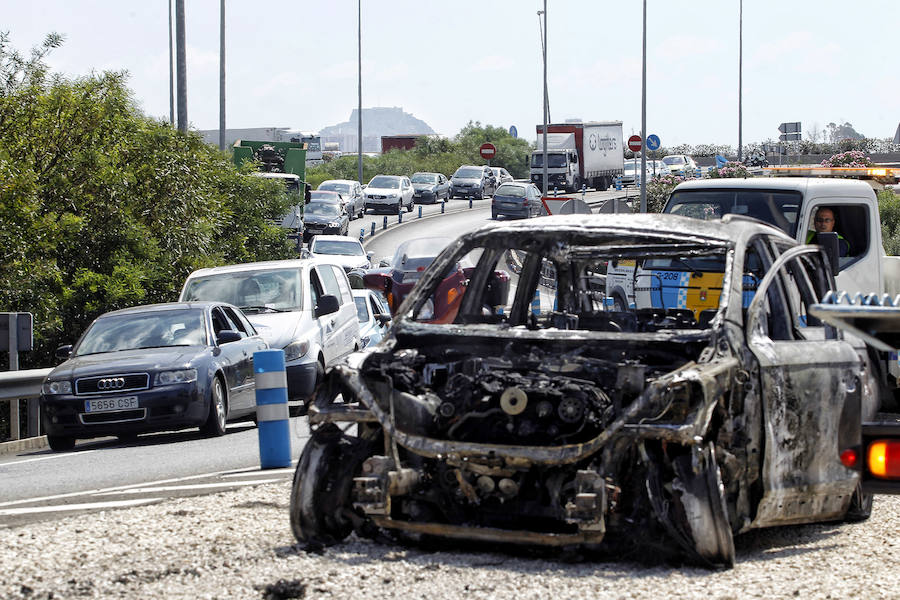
(108, 404)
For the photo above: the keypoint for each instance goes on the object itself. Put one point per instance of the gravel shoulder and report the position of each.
(238, 544)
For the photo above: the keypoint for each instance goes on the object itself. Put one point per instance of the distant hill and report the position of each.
(376, 122)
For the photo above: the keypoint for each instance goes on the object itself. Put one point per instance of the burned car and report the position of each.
(546, 417)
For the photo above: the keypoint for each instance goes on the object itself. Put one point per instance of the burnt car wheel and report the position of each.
(60, 443)
(702, 501)
(320, 506)
(215, 422)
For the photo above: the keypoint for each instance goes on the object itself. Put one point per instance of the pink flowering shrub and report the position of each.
(729, 169)
(852, 158)
(658, 190)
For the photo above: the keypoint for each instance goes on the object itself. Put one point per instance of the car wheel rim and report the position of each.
(219, 401)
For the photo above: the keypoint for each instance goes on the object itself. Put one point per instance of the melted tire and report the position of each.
(320, 493)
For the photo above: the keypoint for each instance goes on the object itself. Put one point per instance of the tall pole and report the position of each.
(171, 71)
(222, 75)
(546, 111)
(644, 114)
(740, 79)
(359, 138)
(182, 65)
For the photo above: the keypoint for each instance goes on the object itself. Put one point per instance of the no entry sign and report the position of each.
(488, 150)
(634, 143)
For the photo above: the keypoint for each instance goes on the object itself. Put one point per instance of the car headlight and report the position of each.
(426, 313)
(56, 387)
(171, 377)
(296, 350)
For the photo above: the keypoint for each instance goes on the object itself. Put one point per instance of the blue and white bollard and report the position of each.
(400, 217)
(470, 201)
(373, 228)
(536, 303)
(443, 204)
(698, 173)
(618, 184)
(385, 222)
(362, 234)
(420, 211)
(554, 191)
(272, 415)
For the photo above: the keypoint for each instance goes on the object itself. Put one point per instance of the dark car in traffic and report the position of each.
(430, 187)
(519, 200)
(153, 368)
(471, 181)
(545, 416)
(324, 217)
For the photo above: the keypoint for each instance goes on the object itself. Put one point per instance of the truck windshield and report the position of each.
(554, 161)
(776, 207)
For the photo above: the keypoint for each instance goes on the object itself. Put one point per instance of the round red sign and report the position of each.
(488, 150)
(634, 143)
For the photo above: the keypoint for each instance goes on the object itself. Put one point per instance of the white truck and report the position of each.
(587, 153)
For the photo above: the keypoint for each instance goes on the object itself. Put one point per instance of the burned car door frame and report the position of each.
(809, 378)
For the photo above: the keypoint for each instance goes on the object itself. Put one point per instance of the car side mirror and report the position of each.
(829, 242)
(226, 336)
(63, 352)
(383, 319)
(370, 255)
(327, 305)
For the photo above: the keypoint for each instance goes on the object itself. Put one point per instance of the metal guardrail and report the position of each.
(22, 385)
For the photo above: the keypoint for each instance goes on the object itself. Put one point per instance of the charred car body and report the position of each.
(546, 417)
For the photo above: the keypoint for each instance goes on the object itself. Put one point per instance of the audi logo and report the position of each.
(113, 383)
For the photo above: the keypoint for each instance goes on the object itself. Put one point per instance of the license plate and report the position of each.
(108, 404)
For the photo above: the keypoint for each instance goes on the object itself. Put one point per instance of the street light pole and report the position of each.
(740, 79)
(181, 67)
(222, 75)
(546, 100)
(359, 138)
(171, 72)
(644, 115)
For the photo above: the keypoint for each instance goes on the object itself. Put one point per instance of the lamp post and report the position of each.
(222, 75)
(644, 115)
(359, 137)
(740, 78)
(546, 99)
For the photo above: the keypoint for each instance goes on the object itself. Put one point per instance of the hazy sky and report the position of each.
(294, 63)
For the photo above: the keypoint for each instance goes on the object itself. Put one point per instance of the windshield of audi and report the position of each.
(134, 331)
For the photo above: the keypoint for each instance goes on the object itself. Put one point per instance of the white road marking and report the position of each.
(60, 455)
(178, 488)
(133, 485)
(7, 512)
(259, 472)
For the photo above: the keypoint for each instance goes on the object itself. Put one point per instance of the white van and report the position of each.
(303, 306)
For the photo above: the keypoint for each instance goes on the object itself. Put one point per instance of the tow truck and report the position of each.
(876, 176)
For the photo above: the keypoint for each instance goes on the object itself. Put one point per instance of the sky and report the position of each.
(294, 63)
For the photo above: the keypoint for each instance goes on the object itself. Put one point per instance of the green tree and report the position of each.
(103, 208)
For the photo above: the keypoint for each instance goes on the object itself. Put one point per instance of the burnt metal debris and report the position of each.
(711, 405)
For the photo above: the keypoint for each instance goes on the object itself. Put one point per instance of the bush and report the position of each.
(851, 158)
(729, 169)
(658, 191)
(889, 210)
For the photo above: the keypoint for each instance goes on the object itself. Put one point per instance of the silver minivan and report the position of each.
(302, 306)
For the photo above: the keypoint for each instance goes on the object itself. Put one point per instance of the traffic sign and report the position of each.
(487, 150)
(652, 142)
(789, 127)
(513, 131)
(634, 143)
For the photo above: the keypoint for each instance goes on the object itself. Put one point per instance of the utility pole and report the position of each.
(359, 137)
(740, 79)
(546, 103)
(644, 115)
(222, 75)
(171, 71)
(182, 65)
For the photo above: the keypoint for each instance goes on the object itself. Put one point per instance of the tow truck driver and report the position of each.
(824, 223)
